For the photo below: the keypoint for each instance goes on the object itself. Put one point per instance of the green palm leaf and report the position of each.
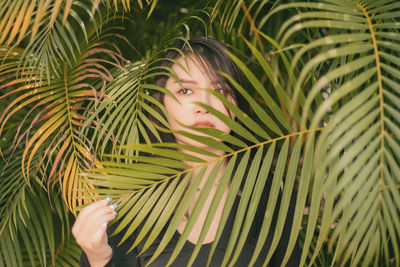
(150, 192)
(60, 110)
(31, 231)
(354, 144)
(361, 121)
(25, 18)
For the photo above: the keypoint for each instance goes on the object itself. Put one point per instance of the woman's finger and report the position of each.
(93, 232)
(86, 213)
(95, 205)
(105, 213)
(95, 220)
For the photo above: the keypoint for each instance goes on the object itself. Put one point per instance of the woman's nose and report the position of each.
(199, 110)
(204, 99)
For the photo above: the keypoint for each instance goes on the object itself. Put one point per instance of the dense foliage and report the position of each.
(76, 85)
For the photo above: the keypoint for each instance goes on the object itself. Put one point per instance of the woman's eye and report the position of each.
(185, 91)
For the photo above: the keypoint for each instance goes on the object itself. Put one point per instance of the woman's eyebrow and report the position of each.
(184, 81)
(214, 83)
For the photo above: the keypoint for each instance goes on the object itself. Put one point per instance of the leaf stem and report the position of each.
(69, 121)
(381, 102)
(226, 156)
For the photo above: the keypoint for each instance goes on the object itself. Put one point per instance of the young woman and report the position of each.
(205, 58)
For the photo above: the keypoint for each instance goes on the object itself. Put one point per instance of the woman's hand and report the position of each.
(90, 228)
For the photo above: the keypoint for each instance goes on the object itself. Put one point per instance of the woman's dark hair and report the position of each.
(213, 57)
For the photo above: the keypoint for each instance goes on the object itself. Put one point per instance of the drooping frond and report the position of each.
(32, 232)
(60, 106)
(51, 40)
(35, 233)
(122, 118)
(24, 19)
(356, 161)
(240, 15)
(126, 4)
(154, 191)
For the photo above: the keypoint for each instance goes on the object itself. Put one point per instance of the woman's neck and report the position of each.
(207, 158)
(212, 162)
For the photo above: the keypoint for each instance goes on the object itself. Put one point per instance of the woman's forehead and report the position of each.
(190, 67)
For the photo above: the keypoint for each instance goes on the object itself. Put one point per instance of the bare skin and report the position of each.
(196, 230)
(89, 231)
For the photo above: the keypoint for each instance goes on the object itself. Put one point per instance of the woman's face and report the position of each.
(193, 78)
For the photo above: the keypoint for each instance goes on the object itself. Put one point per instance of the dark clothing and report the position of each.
(131, 259)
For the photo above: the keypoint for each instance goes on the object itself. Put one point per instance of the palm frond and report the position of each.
(126, 5)
(358, 163)
(60, 108)
(361, 131)
(240, 15)
(150, 200)
(118, 117)
(32, 232)
(123, 117)
(27, 19)
(52, 38)
(145, 187)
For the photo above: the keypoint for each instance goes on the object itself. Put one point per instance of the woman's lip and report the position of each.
(204, 124)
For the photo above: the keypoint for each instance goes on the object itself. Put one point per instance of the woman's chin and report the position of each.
(188, 141)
